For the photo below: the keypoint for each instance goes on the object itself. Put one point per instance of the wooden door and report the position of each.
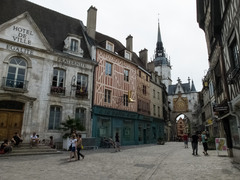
(10, 122)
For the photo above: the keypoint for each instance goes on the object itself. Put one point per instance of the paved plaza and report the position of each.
(145, 162)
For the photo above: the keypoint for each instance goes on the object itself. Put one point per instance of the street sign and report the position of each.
(218, 108)
(221, 144)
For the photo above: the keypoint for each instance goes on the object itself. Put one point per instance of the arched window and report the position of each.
(16, 73)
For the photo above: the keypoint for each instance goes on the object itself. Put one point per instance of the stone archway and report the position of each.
(188, 118)
(183, 125)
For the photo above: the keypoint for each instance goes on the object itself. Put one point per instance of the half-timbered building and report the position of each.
(220, 22)
(121, 89)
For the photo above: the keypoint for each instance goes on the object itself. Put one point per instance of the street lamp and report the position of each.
(73, 84)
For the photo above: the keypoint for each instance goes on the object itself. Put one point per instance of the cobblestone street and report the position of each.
(170, 161)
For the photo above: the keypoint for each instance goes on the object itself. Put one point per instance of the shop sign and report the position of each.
(221, 144)
(219, 108)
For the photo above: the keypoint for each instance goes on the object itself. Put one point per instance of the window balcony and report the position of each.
(58, 90)
(14, 85)
(81, 92)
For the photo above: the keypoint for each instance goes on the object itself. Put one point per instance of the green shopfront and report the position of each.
(132, 127)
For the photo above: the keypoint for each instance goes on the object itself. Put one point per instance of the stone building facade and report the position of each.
(46, 71)
(183, 99)
(159, 105)
(53, 67)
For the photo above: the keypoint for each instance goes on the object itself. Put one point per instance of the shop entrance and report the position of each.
(11, 117)
(144, 136)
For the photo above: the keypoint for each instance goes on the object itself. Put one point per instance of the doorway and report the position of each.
(11, 117)
(144, 136)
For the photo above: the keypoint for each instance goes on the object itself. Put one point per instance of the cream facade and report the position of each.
(40, 85)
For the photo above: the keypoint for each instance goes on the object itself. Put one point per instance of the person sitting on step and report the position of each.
(16, 139)
(5, 147)
(34, 140)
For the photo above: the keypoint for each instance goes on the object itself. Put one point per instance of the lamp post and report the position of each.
(73, 85)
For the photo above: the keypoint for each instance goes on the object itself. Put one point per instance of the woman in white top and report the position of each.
(74, 147)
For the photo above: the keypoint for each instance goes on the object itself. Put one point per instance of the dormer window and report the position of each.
(72, 45)
(127, 55)
(109, 46)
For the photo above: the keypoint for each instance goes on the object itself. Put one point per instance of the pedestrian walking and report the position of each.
(204, 143)
(185, 140)
(117, 142)
(73, 151)
(79, 146)
(200, 138)
(195, 143)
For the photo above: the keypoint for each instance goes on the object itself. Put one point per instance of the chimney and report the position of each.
(129, 43)
(143, 55)
(91, 22)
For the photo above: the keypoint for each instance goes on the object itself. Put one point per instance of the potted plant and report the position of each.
(160, 141)
(69, 126)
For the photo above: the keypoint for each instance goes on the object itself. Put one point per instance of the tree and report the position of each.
(71, 125)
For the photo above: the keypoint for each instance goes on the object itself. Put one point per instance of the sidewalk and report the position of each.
(170, 161)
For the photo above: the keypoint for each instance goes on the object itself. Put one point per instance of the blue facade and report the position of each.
(132, 127)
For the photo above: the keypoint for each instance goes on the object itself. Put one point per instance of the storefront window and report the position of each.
(140, 132)
(148, 132)
(128, 130)
(104, 127)
(234, 132)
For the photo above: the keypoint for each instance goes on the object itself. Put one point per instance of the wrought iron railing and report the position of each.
(58, 90)
(81, 92)
(14, 84)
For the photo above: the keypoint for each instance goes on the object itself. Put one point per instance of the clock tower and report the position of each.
(161, 62)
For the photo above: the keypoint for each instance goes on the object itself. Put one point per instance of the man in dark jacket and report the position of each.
(195, 143)
(16, 139)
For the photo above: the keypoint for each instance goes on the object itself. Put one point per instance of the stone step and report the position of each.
(28, 145)
(33, 150)
(28, 153)
(25, 149)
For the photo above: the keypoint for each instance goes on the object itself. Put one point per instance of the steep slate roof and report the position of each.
(118, 47)
(193, 89)
(185, 86)
(54, 26)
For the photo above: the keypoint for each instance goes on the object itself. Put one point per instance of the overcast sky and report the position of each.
(182, 38)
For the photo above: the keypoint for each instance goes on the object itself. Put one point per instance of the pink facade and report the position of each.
(114, 82)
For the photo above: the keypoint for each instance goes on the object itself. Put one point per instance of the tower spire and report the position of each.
(159, 47)
(159, 39)
(193, 89)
